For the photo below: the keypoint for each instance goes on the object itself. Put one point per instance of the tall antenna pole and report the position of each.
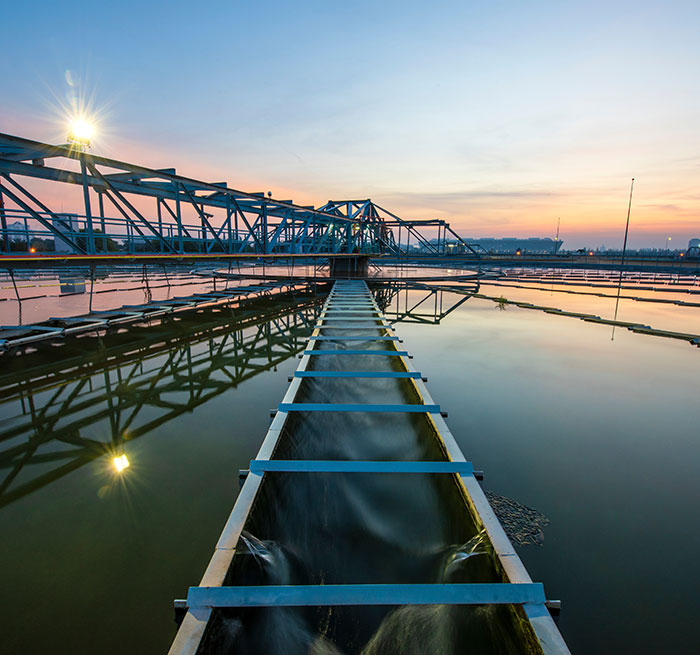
(556, 238)
(624, 251)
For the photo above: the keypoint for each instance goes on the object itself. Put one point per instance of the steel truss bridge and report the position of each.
(130, 210)
(125, 211)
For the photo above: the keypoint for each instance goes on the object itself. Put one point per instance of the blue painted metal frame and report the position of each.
(352, 407)
(353, 338)
(357, 466)
(367, 594)
(385, 353)
(368, 319)
(357, 374)
(355, 328)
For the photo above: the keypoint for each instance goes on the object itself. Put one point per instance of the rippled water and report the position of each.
(599, 435)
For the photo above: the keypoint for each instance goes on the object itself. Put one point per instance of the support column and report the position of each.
(88, 214)
(178, 217)
(357, 267)
(3, 221)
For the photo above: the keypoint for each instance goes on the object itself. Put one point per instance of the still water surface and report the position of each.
(599, 435)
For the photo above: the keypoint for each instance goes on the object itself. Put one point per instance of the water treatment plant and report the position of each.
(235, 424)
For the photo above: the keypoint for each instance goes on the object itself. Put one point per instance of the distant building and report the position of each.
(17, 227)
(17, 231)
(510, 246)
(64, 224)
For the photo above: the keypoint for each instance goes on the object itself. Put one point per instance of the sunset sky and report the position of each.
(499, 117)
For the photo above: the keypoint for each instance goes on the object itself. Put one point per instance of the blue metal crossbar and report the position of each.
(352, 407)
(354, 338)
(357, 466)
(368, 319)
(387, 326)
(386, 353)
(356, 328)
(357, 374)
(367, 594)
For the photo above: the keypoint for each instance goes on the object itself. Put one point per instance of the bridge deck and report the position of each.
(357, 454)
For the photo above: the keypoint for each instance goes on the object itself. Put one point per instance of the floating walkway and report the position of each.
(12, 336)
(361, 527)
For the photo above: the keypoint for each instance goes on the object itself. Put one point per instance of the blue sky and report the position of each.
(498, 116)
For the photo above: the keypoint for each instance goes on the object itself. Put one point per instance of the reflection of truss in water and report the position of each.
(130, 386)
(399, 304)
(125, 384)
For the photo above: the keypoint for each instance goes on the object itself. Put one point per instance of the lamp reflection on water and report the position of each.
(120, 463)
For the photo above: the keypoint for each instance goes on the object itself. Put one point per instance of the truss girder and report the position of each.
(266, 224)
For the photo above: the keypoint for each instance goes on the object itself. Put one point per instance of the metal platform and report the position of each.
(513, 586)
(13, 336)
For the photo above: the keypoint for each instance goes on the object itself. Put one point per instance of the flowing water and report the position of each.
(599, 435)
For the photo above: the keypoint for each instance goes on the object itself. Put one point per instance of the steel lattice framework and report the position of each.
(119, 215)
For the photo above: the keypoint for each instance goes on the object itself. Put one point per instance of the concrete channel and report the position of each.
(361, 527)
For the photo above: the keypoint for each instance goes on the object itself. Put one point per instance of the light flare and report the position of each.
(81, 131)
(120, 463)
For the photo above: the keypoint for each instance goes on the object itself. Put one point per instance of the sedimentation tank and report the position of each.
(361, 527)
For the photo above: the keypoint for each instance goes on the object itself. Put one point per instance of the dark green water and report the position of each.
(599, 435)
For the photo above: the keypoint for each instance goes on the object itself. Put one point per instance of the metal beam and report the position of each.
(367, 594)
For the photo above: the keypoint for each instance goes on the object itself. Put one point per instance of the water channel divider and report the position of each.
(212, 593)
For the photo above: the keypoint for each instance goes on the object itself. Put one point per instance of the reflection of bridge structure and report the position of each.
(107, 383)
(51, 398)
(418, 302)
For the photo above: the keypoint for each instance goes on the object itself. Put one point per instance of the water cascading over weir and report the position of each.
(361, 527)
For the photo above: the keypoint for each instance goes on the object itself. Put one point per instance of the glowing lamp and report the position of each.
(81, 131)
(120, 463)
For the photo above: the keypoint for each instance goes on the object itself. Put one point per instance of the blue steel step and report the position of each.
(351, 407)
(357, 374)
(496, 593)
(357, 466)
